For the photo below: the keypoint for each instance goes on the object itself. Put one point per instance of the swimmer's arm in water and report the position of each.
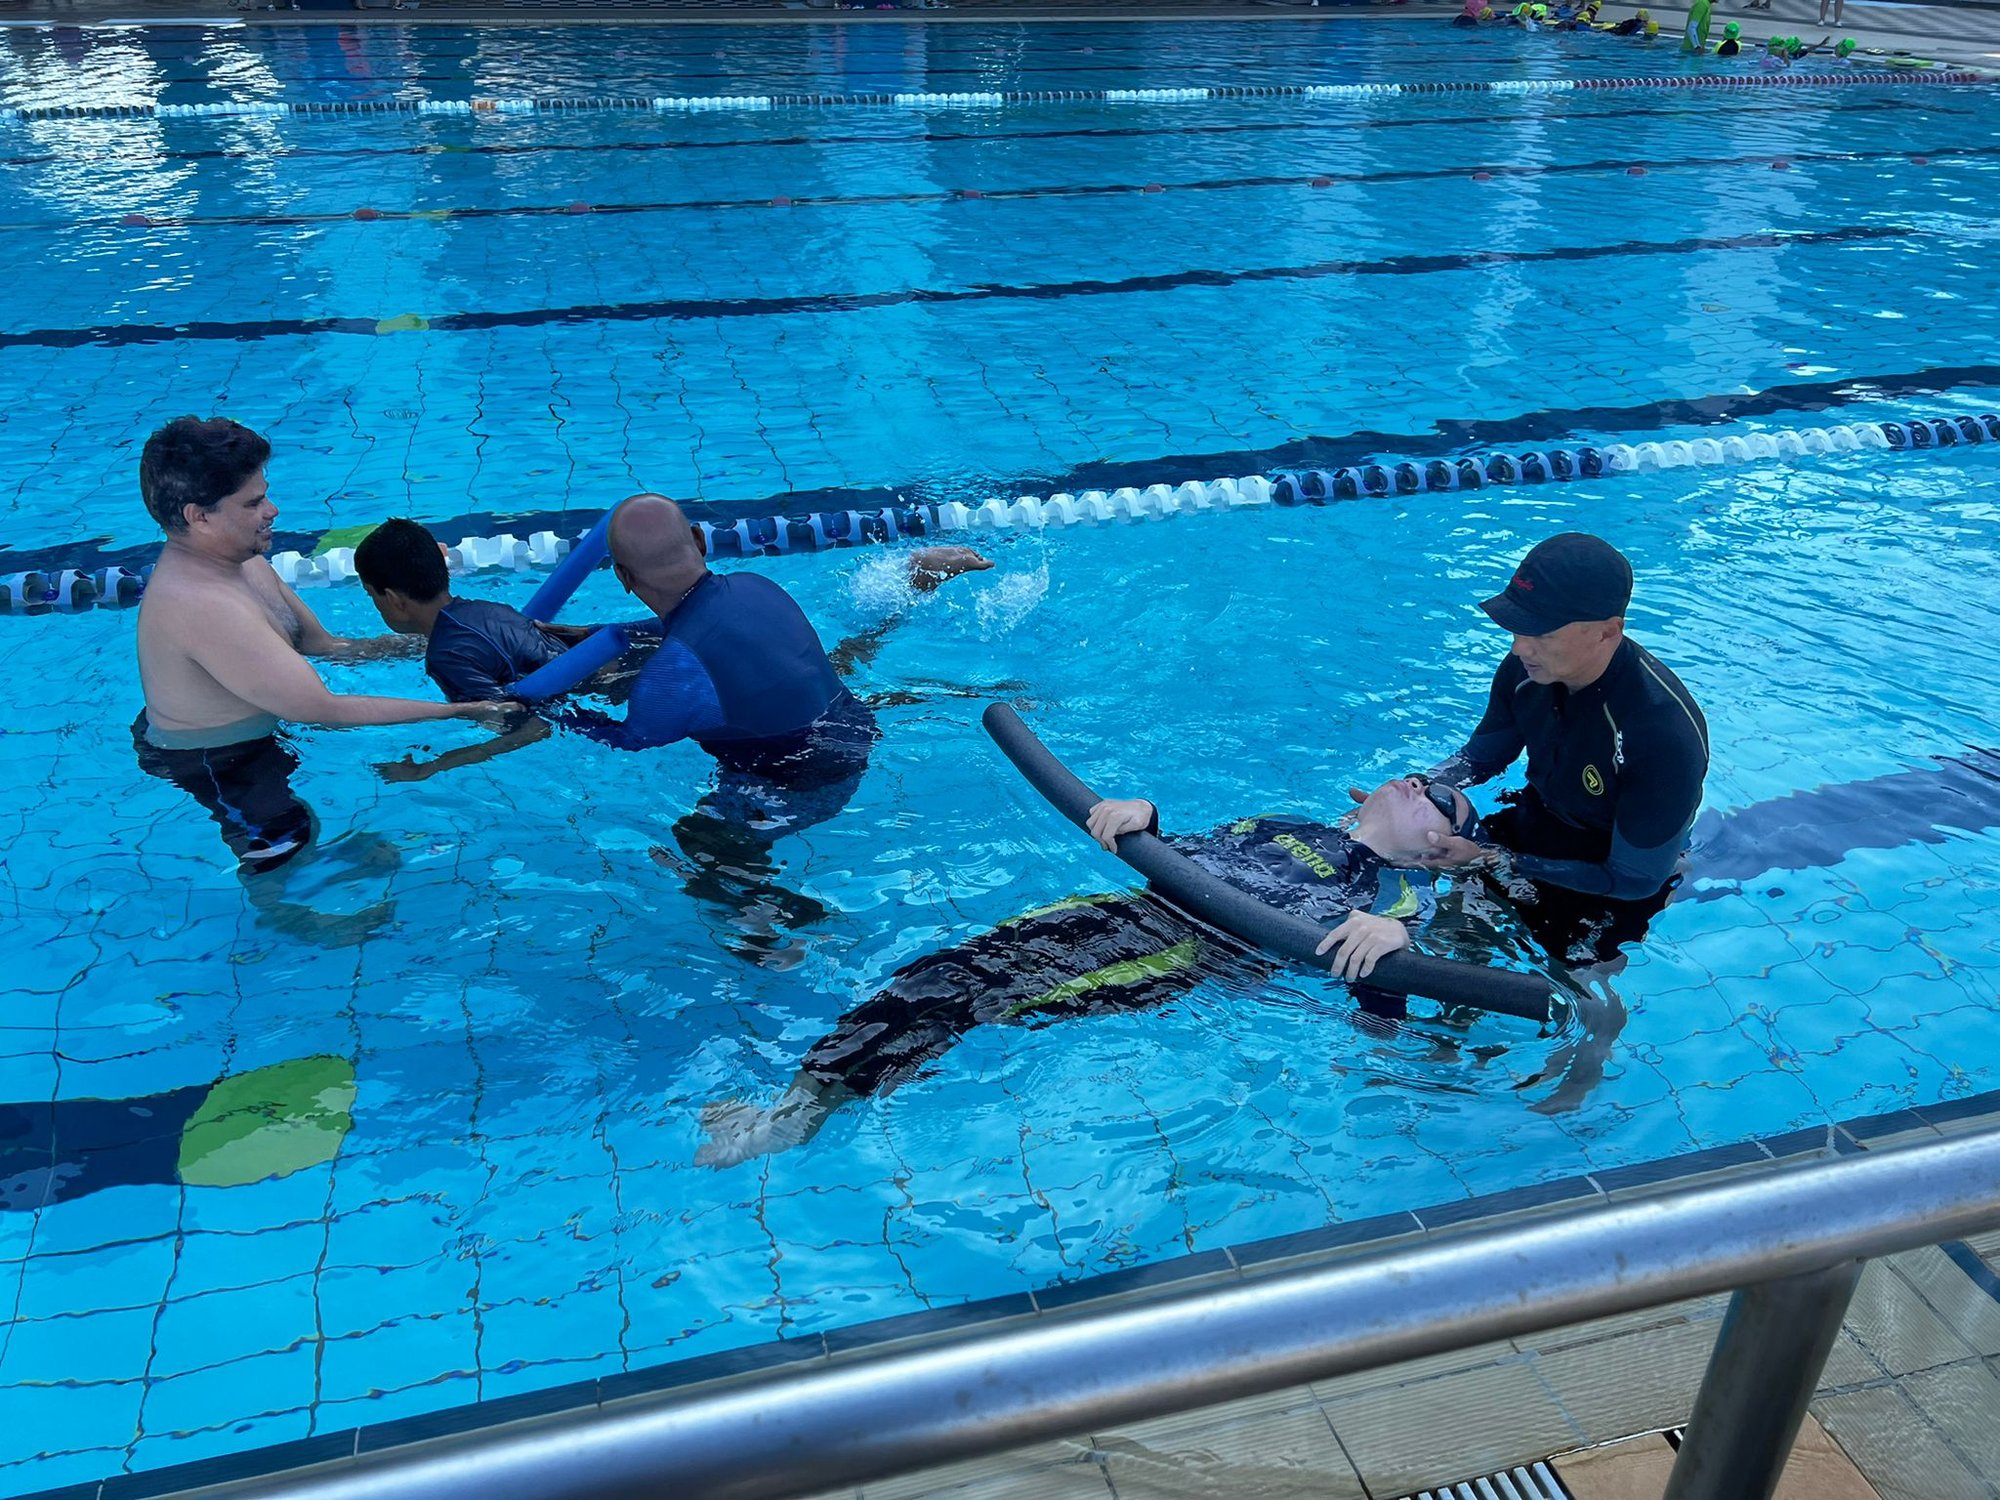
(530, 731)
(673, 698)
(240, 650)
(929, 567)
(316, 640)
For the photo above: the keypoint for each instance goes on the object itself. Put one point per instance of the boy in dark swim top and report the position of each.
(478, 647)
(1089, 955)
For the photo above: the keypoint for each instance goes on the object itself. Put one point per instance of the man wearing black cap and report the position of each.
(1617, 750)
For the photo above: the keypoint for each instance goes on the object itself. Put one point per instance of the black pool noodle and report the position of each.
(1504, 992)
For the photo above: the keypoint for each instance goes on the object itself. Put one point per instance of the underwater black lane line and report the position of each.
(1448, 438)
(1753, 104)
(688, 310)
(1476, 171)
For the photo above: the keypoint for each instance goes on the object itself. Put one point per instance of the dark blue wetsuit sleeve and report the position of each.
(465, 673)
(1496, 740)
(1658, 795)
(674, 698)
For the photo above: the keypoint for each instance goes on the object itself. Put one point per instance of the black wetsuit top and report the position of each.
(478, 649)
(1614, 773)
(1627, 26)
(1308, 869)
(1727, 48)
(1091, 955)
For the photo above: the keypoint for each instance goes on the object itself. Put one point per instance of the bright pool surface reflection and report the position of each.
(421, 1130)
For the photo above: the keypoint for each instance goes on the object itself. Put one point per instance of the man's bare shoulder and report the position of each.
(177, 591)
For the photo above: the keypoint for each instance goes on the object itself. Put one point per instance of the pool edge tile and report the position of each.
(1354, 1234)
(449, 1421)
(750, 1359)
(957, 1316)
(1200, 1265)
(251, 1463)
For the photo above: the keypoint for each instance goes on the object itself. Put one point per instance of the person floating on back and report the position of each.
(1095, 955)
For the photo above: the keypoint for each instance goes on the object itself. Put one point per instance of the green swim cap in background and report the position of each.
(1846, 46)
(1732, 31)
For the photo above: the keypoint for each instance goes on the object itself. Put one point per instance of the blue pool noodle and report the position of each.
(590, 550)
(569, 671)
(1181, 881)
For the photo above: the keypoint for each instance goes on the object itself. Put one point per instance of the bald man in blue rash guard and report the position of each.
(740, 671)
(1616, 747)
(739, 668)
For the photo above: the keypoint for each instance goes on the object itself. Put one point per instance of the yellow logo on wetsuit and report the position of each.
(1405, 904)
(1306, 855)
(1593, 783)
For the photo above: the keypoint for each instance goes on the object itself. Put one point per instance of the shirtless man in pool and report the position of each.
(223, 645)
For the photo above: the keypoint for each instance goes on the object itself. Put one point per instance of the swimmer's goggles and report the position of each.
(1440, 795)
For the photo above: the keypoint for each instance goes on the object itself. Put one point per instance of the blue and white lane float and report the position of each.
(978, 99)
(71, 590)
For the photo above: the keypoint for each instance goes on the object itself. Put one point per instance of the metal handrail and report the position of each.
(1793, 1235)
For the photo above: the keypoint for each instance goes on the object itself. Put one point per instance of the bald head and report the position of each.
(654, 550)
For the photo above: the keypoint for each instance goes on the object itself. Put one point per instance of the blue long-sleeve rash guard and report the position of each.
(741, 671)
(1614, 772)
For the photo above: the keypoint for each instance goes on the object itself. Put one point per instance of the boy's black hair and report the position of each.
(403, 556)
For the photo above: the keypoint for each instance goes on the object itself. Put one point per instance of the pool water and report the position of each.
(454, 1071)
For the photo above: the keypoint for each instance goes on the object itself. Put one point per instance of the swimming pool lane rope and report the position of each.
(1000, 98)
(73, 590)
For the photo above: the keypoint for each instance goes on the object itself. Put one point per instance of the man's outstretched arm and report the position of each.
(929, 567)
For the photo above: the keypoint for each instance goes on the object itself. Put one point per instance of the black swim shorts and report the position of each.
(246, 787)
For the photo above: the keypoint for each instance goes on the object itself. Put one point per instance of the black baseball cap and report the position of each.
(1570, 577)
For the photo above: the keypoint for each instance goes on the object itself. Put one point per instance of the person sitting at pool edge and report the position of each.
(223, 643)
(1617, 751)
(477, 649)
(1090, 955)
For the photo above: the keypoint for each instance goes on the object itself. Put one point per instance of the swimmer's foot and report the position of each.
(738, 1130)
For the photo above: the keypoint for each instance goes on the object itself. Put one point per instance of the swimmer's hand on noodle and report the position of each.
(1362, 939)
(1114, 816)
(931, 566)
